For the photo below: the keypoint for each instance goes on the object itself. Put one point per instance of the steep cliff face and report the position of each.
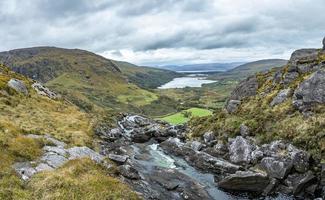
(286, 103)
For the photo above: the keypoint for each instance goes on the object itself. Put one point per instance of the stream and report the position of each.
(163, 176)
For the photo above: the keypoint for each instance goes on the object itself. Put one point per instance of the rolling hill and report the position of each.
(92, 82)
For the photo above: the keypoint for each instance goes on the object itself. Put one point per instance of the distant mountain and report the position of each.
(247, 69)
(207, 67)
(90, 81)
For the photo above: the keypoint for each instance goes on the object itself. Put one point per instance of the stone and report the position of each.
(24, 169)
(310, 91)
(58, 150)
(246, 88)
(42, 90)
(244, 130)
(240, 151)
(18, 85)
(298, 182)
(271, 186)
(53, 160)
(139, 136)
(129, 172)
(290, 77)
(300, 159)
(82, 152)
(196, 145)
(208, 137)
(322, 176)
(55, 141)
(276, 168)
(281, 97)
(324, 43)
(246, 181)
(256, 155)
(121, 159)
(232, 106)
(43, 167)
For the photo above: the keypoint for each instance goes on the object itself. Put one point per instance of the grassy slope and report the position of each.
(269, 123)
(146, 77)
(88, 80)
(21, 115)
(181, 118)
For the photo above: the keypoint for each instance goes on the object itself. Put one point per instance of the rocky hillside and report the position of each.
(39, 131)
(92, 82)
(282, 106)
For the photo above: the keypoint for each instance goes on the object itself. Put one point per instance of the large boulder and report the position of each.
(232, 106)
(42, 90)
(18, 85)
(281, 97)
(275, 167)
(246, 88)
(246, 181)
(300, 182)
(310, 91)
(240, 151)
(82, 152)
(300, 159)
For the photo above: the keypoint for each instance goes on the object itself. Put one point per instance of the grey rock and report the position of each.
(43, 167)
(277, 78)
(310, 91)
(42, 90)
(232, 106)
(300, 159)
(276, 168)
(299, 182)
(322, 177)
(244, 130)
(129, 172)
(208, 137)
(256, 155)
(240, 151)
(270, 188)
(54, 149)
(196, 145)
(24, 169)
(18, 85)
(246, 88)
(247, 181)
(290, 77)
(53, 160)
(324, 43)
(121, 159)
(55, 141)
(139, 136)
(281, 97)
(82, 152)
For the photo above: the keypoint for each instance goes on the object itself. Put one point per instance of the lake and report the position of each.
(187, 81)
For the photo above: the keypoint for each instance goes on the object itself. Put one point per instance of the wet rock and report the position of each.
(246, 181)
(25, 170)
(42, 90)
(299, 182)
(196, 145)
(118, 158)
(185, 186)
(108, 134)
(240, 151)
(232, 106)
(208, 137)
(138, 136)
(141, 121)
(82, 152)
(276, 168)
(244, 130)
(18, 85)
(310, 91)
(281, 97)
(129, 172)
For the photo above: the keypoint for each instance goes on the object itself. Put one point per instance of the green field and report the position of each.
(184, 116)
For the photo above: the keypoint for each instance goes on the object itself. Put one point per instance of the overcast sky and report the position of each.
(158, 32)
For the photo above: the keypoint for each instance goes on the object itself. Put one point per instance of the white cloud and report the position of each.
(162, 32)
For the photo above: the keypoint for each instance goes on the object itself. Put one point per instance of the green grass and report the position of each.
(181, 118)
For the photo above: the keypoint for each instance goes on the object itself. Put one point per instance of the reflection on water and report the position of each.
(188, 81)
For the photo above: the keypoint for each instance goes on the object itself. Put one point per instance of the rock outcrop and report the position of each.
(18, 85)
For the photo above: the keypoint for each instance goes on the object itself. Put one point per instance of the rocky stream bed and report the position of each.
(158, 162)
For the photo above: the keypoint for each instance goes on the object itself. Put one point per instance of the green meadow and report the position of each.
(184, 116)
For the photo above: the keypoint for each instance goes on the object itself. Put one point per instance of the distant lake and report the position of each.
(187, 81)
